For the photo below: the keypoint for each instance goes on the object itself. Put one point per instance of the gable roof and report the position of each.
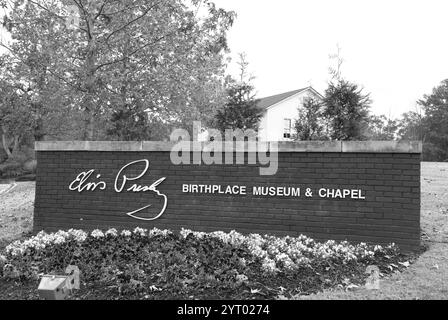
(265, 103)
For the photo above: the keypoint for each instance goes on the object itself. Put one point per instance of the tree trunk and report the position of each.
(6, 146)
(90, 83)
(39, 132)
(91, 127)
(16, 144)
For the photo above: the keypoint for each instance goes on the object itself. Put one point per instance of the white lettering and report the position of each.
(80, 183)
(341, 193)
(322, 193)
(120, 183)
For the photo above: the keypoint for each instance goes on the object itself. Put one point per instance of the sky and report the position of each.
(397, 50)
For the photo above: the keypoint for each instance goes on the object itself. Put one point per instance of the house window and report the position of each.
(287, 129)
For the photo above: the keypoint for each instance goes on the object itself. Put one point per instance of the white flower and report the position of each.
(156, 232)
(112, 232)
(78, 235)
(242, 262)
(97, 234)
(241, 278)
(59, 240)
(185, 232)
(126, 233)
(140, 231)
(287, 252)
(269, 265)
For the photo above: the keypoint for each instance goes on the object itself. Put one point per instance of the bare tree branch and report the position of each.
(101, 9)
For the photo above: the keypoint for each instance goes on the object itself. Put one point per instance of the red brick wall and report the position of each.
(390, 182)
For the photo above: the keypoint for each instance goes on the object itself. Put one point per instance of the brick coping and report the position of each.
(296, 146)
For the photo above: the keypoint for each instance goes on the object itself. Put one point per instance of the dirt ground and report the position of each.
(427, 278)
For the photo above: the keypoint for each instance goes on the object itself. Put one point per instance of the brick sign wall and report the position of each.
(356, 191)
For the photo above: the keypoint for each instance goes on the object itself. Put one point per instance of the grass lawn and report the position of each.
(426, 278)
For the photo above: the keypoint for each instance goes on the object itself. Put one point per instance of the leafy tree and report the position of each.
(429, 123)
(43, 110)
(128, 125)
(133, 54)
(410, 126)
(435, 123)
(346, 108)
(241, 110)
(308, 125)
(16, 120)
(382, 128)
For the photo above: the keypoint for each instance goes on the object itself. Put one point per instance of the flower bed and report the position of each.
(158, 264)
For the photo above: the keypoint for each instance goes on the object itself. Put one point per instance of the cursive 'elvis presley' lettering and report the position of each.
(122, 179)
(81, 183)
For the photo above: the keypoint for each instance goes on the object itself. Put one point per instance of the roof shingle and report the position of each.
(265, 103)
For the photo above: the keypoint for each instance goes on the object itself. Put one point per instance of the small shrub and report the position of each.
(30, 166)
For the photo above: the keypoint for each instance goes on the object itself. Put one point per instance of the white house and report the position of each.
(281, 112)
